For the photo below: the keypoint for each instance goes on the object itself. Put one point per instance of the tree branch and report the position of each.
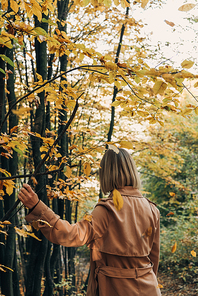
(86, 67)
(6, 216)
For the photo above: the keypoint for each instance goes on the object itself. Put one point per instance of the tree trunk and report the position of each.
(39, 249)
(10, 252)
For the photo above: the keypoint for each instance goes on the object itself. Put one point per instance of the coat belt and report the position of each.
(116, 272)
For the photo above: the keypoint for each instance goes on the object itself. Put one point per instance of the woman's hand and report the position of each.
(27, 196)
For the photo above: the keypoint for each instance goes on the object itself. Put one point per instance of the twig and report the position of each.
(86, 67)
(190, 92)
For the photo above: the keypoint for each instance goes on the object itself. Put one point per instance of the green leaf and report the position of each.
(18, 150)
(1, 70)
(40, 31)
(44, 20)
(7, 60)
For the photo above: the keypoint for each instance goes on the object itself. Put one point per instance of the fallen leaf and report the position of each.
(174, 248)
(193, 253)
(159, 286)
(172, 193)
(169, 23)
(171, 213)
(186, 7)
(117, 199)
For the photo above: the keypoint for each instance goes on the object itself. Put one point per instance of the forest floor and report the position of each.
(176, 287)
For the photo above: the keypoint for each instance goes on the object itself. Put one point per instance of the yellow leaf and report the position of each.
(172, 194)
(68, 171)
(20, 232)
(114, 148)
(35, 182)
(142, 113)
(144, 3)
(117, 199)
(196, 84)
(126, 3)
(196, 110)
(6, 222)
(169, 23)
(86, 2)
(30, 55)
(34, 236)
(111, 66)
(14, 6)
(174, 248)
(4, 4)
(27, 227)
(126, 144)
(9, 189)
(187, 111)
(107, 3)
(187, 64)
(116, 103)
(186, 7)
(35, 224)
(87, 169)
(117, 84)
(3, 232)
(159, 87)
(6, 267)
(21, 111)
(87, 217)
(193, 253)
(159, 286)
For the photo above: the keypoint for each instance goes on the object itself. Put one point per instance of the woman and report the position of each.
(124, 243)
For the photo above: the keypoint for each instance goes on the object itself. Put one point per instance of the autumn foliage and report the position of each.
(74, 78)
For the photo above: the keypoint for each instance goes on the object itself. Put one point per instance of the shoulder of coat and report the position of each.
(151, 202)
(153, 207)
(104, 202)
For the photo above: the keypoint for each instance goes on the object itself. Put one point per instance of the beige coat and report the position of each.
(124, 244)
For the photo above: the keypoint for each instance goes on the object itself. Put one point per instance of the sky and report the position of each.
(179, 42)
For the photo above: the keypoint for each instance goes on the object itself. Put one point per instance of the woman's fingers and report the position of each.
(27, 196)
(28, 188)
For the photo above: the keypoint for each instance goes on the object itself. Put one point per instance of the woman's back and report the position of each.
(126, 249)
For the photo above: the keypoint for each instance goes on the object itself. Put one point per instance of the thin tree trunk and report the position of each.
(115, 89)
(12, 163)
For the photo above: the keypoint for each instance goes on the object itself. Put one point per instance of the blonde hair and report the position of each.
(118, 170)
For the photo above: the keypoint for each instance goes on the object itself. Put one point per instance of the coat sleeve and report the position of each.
(155, 251)
(61, 232)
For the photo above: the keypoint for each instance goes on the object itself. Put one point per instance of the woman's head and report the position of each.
(118, 170)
